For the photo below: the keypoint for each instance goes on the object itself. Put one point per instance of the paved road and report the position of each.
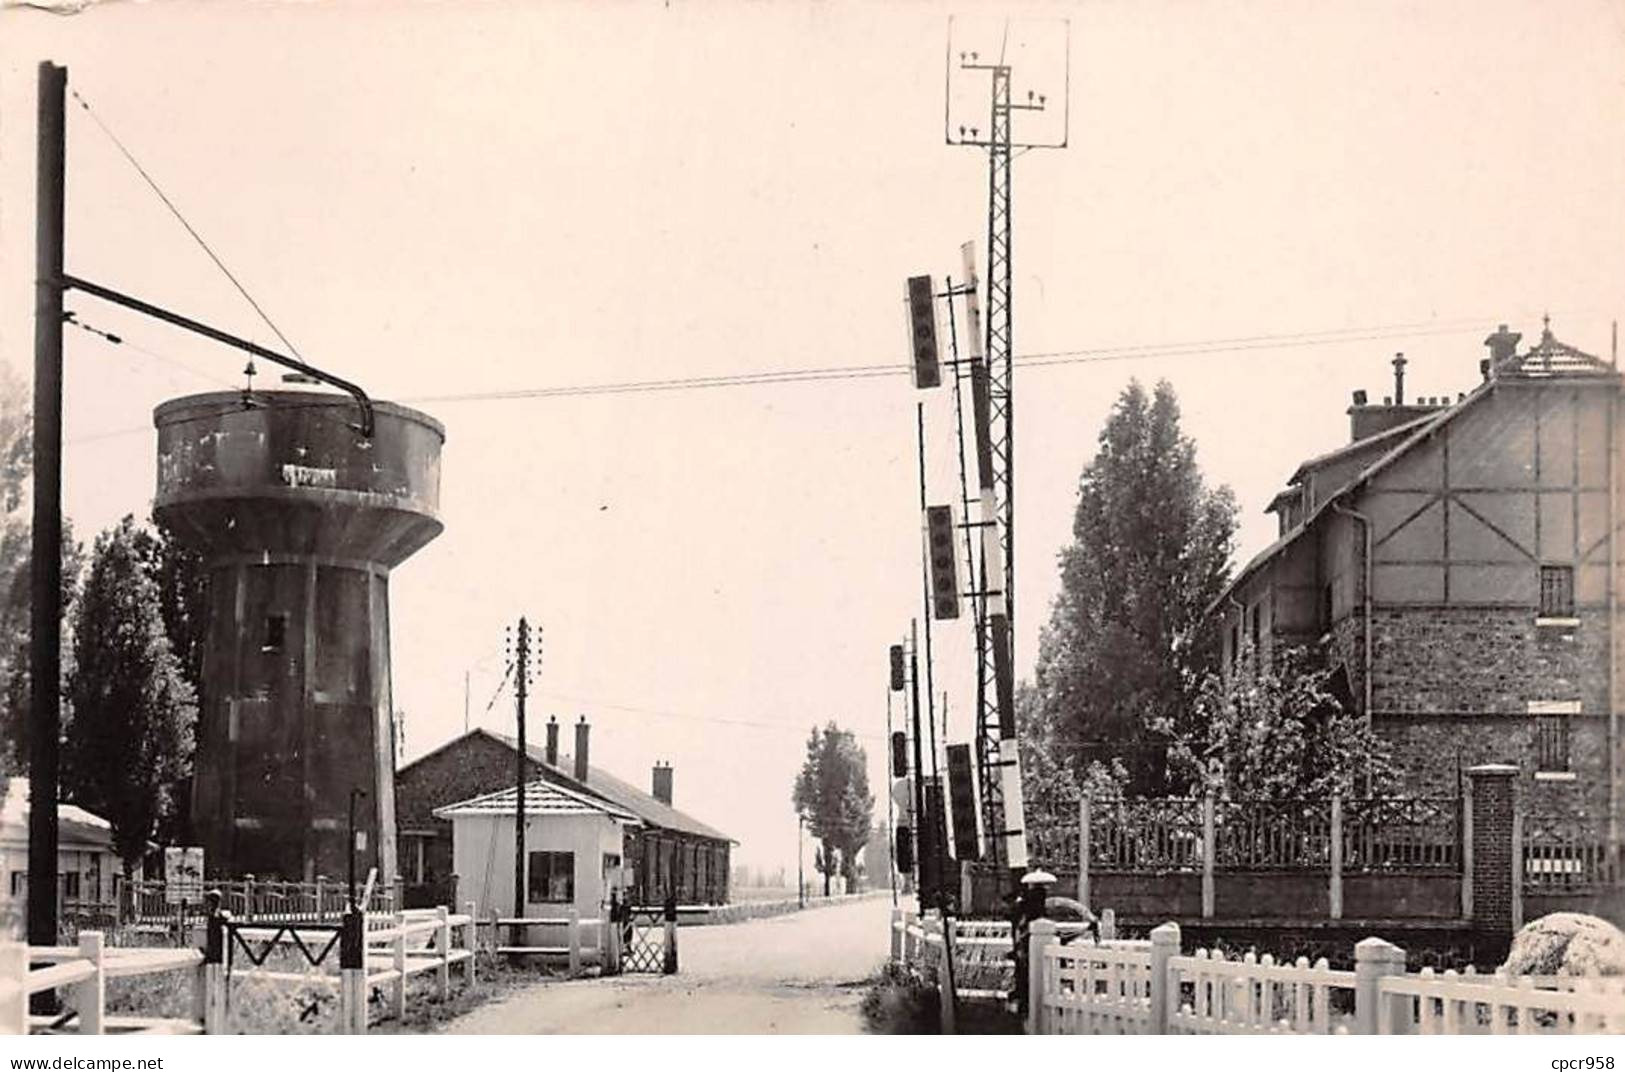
(795, 974)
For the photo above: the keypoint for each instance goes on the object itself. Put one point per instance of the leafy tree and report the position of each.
(16, 560)
(832, 794)
(1283, 733)
(1051, 783)
(130, 736)
(1122, 657)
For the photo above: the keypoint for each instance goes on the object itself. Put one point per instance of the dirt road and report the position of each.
(795, 974)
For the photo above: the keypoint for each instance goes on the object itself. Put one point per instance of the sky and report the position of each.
(1259, 201)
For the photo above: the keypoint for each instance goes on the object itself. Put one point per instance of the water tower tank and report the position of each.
(300, 519)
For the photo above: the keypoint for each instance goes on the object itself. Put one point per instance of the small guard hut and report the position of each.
(572, 850)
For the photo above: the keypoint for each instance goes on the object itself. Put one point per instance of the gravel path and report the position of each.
(794, 974)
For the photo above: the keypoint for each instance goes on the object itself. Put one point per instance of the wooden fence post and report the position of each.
(1336, 892)
(89, 998)
(575, 941)
(946, 997)
(1041, 935)
(214, 972)
(13, 988)
(442, 948)
(321, 898)
(248, 896)
(399, 991)
(353, 973)
(1207, 856)
(1373, 959)
(471, 939)
(1083, 851)
(1164, 947)
(1108, 924)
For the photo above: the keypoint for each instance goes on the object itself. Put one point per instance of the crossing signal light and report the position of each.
(899, 754)
(905, 849)
(922, 321)
(897, 668)
(939, 550)
(962, 802)
(902, 797)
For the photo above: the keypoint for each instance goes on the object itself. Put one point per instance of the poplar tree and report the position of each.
(832, 794)
(1124, 652)
(129, 739)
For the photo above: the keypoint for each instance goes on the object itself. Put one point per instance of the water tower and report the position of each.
(300, 518)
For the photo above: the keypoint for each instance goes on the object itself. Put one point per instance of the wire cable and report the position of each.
(184, 222)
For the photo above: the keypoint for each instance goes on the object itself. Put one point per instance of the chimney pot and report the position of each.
(660, 787)
(552, 741)
(1399, 379)
(1503, 345)
(1387, 401)
(581, 749)
(1359, 398)
(1484, 369)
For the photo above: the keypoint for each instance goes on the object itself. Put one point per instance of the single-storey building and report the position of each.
(85, 862)
(572, 852)
(666, 850)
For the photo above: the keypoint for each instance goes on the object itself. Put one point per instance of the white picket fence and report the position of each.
(1150, 988)
(396, 947)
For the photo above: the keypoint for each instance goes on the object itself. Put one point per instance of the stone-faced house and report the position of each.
(1459, 564)
(665, 850)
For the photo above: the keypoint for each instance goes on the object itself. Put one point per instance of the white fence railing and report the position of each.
(394, 948)
(82, 973)
(1084, 989)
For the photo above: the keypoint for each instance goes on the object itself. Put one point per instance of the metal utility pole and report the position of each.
(993, 402)
(45, 623)
(521, 687)
(921, 819)
(891, 827)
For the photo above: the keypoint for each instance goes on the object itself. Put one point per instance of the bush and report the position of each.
(898, 1002)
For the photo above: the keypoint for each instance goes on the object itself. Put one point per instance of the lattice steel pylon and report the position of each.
(992, 366)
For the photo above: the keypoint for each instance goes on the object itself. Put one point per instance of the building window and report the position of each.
(1326, 607)
(1557, 591)
(1552, 744)
(276, 633)
(1235, 644)
(1551, 731)
(612, 867)
(70, 885)
(1258, 629)
(19, 883)
(552, 877)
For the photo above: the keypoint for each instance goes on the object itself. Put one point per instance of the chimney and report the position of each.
(1399, 379)
(581, 749)
(552, 741)
(1503, 345)
(660, 789)
(1359, 398)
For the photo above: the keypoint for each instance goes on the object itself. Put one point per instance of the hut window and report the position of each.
(552, 876)
(19, 883)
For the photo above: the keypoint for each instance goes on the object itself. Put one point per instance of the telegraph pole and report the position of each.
(521, 688)
(45, 623)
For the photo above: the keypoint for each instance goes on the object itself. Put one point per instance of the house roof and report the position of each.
(604, 784)
(1387, 435)
(541, 798)
(1549, 358)
(74, 824)
(601, 784)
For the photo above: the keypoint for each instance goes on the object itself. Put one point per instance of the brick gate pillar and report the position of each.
(1495, 792)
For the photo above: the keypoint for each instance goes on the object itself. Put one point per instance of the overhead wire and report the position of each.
(184, 222)
(1035, 359)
